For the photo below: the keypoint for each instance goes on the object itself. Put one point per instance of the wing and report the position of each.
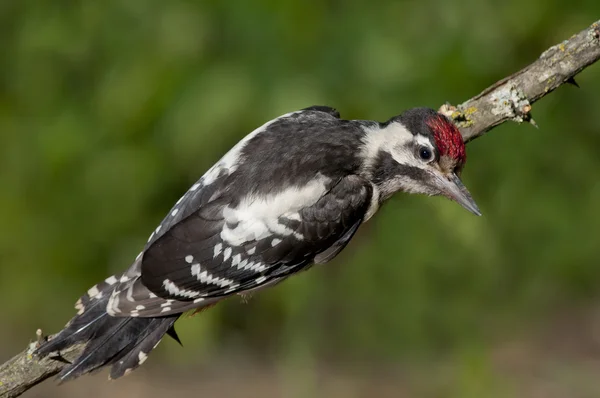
(227, 247)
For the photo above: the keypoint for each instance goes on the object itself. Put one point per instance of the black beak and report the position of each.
(452, 187)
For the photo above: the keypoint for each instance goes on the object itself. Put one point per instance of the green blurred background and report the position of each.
(110, 110)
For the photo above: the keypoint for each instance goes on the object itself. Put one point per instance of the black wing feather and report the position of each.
(324, 227)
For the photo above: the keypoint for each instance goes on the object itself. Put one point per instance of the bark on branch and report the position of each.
(509, 99)
(24, 371)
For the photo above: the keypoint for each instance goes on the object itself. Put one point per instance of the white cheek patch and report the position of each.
(407, 154)
(393, 136)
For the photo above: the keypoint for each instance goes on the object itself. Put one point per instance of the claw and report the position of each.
(58, 357)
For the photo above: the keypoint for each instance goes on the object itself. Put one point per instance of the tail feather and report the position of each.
(123, 342)
(136, 354)
(96, 353)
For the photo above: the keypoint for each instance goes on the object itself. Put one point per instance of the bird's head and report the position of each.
(419, 151)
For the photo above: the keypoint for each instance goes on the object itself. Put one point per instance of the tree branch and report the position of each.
(509, 99)
(23, 371)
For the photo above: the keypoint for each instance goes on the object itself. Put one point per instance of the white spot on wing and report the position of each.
(130, 293)
(79, 307)
(189, 259)
(93, 291)
(226, 254)
(195, 269)
(259, 267)
(251, 251)
(257, 217)
(173, 289)
(111, 280)
(113, 304)
(218, 249)
(194, 187)
(167, 303)
(205, 277)
(261, 279)
(142, 356)
(275, 242)
(174, 212)
(245, 264)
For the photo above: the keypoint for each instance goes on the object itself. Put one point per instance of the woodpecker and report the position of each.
(290, 194)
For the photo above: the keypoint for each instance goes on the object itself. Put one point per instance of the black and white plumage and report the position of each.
(290, 194)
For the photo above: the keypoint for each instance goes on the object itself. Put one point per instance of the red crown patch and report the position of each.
(448, 139)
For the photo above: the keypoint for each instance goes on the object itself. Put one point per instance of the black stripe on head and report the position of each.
(385, 168)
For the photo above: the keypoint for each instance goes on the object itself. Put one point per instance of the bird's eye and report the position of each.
(425, 153)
